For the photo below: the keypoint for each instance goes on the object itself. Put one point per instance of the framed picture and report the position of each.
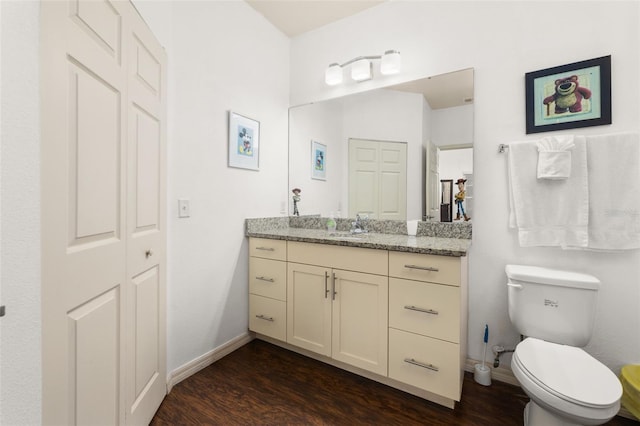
(318, 161)
(244, 142)
(569, 96)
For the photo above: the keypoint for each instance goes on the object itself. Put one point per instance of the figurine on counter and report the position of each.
(296, 200)
(459, 200)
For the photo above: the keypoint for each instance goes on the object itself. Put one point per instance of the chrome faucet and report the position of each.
(360, 225)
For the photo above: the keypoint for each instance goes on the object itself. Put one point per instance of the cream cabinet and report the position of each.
(337, 312)
(268, 287)
(396, 317)
(427, 322)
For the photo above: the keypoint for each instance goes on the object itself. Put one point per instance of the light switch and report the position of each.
(183, 208)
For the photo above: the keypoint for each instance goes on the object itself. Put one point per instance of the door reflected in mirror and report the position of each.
(409, 130)
(377, 179)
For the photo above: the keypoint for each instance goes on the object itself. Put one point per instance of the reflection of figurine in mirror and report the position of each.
(459, 199)
(296, 200)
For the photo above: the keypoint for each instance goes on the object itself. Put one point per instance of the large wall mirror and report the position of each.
(384, 152)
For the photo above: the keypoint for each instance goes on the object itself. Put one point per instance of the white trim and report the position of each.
(505, 375)
(203, 361)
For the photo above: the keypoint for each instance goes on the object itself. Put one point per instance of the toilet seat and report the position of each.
(569, 373)
(566, 379)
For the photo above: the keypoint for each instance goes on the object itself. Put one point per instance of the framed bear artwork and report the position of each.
(569, 96)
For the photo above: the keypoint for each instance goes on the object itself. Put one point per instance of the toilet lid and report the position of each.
(569, 373)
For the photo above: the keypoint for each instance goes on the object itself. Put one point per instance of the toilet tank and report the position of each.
(553, 305)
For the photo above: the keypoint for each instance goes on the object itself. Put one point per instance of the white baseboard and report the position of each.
(203, 361)
(505, 375)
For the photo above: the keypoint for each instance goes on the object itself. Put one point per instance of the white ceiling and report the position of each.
(295, 17)
(443, 91)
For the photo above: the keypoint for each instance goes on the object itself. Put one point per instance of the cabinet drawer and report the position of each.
(425, 308)
(268, 249)
(426, 363)
(268, 317)
(425, 267)
(357, 259)
(268, 278)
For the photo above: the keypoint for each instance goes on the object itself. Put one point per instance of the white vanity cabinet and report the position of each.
(427, 322)
(396, 317)
(268, 287)
(336, 309)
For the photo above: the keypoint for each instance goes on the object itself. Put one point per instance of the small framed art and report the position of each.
(318, 161)
(244, 142)
(569, 96)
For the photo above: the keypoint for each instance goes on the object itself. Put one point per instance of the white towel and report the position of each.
(554, 157)
(548, 212)
(614, 191)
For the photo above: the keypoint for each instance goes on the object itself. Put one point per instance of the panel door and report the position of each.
(378, 179)
(363, 178)
(433, 180)
(84, 85)
(360, 314)
(309, 295)
(393, 181)
(145, 368)
(87, 282)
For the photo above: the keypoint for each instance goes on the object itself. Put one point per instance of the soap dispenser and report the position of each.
(331, 223)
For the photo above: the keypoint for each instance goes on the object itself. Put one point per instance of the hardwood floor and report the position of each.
(263, 384)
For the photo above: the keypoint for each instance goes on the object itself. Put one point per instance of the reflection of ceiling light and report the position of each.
(362, 69)
(333, 75)
(390, 63)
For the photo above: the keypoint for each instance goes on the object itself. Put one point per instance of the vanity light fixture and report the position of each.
(362, 68)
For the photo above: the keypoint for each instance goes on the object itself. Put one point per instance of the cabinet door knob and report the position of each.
(148, 253)
(333, 287)
(326, 288)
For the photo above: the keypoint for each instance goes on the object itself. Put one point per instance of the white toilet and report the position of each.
(555, 311)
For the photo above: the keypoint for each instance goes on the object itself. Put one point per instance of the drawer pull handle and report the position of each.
(420, 364)
(266, 248)
(265, 279)
(422, 268)
(426, 311)
(262, 317)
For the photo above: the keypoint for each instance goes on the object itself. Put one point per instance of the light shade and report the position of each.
(361, 70)
(390, 62)
(333, 75)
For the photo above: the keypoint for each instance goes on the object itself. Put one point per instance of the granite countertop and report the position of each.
(383, 241)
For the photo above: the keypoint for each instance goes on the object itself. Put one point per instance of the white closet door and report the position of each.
(85, 62)
(145, 368)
